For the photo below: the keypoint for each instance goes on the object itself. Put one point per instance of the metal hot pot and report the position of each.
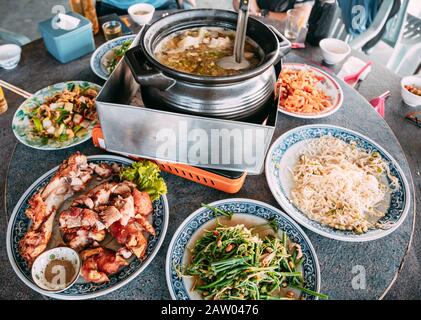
(236, 97)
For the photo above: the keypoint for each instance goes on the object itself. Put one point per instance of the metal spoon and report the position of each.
(237, 61)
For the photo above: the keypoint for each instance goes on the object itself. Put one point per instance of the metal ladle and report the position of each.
(237, 61)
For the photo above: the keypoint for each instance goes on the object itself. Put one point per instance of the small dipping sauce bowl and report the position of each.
(112, 30)
(141, 13)
(56, 269)
(9, 56)
(334, 50)
(410, 98)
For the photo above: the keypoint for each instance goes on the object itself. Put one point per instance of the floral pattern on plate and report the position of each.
(97, 57)
(196, 220)
(399, 198)
(22, 127)
(19, 223)
(327, 84)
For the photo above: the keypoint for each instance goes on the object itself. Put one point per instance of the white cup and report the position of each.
(334, 50)
(9, 56)
(141, 13)
(411, 99)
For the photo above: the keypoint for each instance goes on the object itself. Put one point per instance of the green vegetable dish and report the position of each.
(146, 174)
(234, 262)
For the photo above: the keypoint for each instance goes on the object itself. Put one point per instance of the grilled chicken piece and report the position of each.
(80, 238)
(99, 195)
(134, 209)
(118, 207)
(41, 208)
(71, 176)
(124, 184)
(83, 201)
(37, 210)
(81, 227)
(103, 170)
(122, 189)
(34, 242)
(80, 217)
(126, 208)
(142, 202)
(108, 196)
(110, 215)
(131, 236)
(99, 263)
(124, 252)
(144, 223)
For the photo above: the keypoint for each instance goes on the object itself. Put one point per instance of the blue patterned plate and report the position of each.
(284, 154)
(23, 129)
(19, 223)
(248, 212)
(102, 52)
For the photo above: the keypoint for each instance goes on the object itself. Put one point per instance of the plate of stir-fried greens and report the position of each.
(241, 249)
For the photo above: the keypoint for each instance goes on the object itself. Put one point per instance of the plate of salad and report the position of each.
(57, 117)
(241, 249)
(106, 57)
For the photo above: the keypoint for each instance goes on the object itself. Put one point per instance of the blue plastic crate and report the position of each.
(67, 45)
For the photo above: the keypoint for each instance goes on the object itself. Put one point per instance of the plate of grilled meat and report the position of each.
(112, 211)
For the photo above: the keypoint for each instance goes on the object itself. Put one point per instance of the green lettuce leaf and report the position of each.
(146, 175)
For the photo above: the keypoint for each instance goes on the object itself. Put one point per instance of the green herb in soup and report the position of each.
(197, 51)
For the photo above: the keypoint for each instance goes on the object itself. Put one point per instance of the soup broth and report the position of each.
(197, 51)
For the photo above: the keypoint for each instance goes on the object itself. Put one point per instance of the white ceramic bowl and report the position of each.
(410, 98)
(9, 56)
(41, 262)
(334, 50)
(141, 19)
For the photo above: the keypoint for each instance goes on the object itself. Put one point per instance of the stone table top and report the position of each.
(382, 259)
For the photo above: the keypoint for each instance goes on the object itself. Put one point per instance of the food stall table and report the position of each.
(339, 261)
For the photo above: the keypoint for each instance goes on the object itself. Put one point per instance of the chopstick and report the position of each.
(15, 89)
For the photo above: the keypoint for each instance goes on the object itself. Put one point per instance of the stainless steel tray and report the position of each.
(131, 129)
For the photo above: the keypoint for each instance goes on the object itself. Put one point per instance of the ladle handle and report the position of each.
(240, 37)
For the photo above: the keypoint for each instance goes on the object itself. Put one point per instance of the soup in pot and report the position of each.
(198, 50)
